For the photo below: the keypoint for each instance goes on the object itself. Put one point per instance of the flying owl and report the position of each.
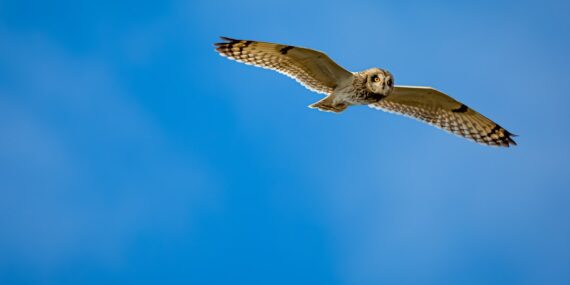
(373, 87)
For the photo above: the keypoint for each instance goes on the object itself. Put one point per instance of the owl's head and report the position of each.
(379, 81)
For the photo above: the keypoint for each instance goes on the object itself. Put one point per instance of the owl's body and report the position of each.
(373, 87)
(353, 91)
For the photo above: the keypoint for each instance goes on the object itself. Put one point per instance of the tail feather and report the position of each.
(328, 105)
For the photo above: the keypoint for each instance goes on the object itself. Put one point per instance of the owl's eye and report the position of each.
(390, 82)
(376, 79)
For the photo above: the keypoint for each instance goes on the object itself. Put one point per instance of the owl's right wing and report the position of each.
(313, 69)
(440, 110)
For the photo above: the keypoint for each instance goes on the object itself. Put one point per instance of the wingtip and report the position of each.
(509, 136)
(227, 39)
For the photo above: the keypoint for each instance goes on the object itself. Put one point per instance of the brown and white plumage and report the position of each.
(313, 69)
(437, 109)
(373, 87)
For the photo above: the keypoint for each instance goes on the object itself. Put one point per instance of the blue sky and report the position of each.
(133, 154)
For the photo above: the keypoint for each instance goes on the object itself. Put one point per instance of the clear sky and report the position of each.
(132, 153)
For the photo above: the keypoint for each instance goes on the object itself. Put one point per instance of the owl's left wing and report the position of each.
(437, 109)
(313, 69)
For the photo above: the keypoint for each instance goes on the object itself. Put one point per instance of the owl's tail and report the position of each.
(328, 105)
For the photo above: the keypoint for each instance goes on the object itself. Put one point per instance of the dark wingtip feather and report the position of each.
(223, 47)
(225, 41)
(508, 139)
(228, 39)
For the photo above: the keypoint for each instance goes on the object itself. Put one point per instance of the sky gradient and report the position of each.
(133, 154)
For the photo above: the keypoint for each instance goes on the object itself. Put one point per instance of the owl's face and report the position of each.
(379, 81)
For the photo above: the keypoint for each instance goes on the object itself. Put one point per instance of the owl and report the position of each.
(374, 87)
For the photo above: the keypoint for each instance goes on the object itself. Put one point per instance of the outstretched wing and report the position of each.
(435, 108)
(313, 69)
